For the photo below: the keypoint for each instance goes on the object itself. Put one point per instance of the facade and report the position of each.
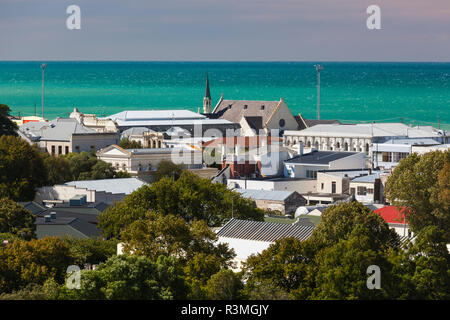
(142, 161)
(424, 149)
(308, 164)
(286, 202)
(146, 137)
(256, 117)
(357, 137)
(368, 188)
(65, 135)
(387, 155)
(253, 237)
(302, 186)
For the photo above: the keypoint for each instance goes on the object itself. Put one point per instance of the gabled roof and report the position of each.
(320, 157)
(264, 231)
(391, 214)
(83, 227)
(306, 123)
(33, 207)
(234, 110)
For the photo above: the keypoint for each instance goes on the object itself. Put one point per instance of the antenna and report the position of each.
(318, 69)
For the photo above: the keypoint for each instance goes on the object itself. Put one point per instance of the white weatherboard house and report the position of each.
(252, 237)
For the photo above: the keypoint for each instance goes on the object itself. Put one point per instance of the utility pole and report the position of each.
(43, 66)
(318, 68)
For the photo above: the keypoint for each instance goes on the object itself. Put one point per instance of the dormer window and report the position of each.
(245, 106)
(262, 107)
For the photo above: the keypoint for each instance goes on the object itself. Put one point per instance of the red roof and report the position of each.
(391, 214)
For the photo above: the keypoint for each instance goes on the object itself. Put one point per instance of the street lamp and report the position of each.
(43, 66)
(318, 68)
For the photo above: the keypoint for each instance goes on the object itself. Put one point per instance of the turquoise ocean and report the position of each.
(415, 93)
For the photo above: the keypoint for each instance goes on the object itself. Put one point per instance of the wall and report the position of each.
(354, 161)
(302, 186)
(98, 140)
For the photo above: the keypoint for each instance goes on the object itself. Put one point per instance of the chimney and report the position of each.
(300, 148)
(47, 218)
(53, 215)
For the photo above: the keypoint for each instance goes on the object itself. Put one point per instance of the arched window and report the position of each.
(367, 148)
(317, 145)
(346, 146)
(282, 122)
(338, 145)
(159, 144)
(308, 144)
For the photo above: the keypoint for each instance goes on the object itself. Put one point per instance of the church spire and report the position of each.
(207, 98)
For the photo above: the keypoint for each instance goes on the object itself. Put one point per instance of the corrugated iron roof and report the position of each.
(264, 231)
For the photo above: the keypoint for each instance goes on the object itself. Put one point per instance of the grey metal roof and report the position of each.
(84, 227)
(114, 186)
(264, 231)
(368, 178)
(234, 110)
(33, 207)
(136, 131)
(264, 194)
(319, 157)
(60, 129)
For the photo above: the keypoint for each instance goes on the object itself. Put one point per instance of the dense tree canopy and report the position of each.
(167, 168)
(21, 169)
(7, 127)
(16, 220)
(422, 184)
(189, 197)
(35, 261)
(131, 277)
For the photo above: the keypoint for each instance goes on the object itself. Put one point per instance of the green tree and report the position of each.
(190, 197)
(421, 183)
(131, 278)
(57, 168)
(224, 285)
(35, 261)
(16, 220)
(7, 127)
(167, 168)
(93, 251)
(191, 243)
(130, 144)
(21, 169)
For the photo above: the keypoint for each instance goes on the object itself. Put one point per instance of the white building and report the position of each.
(162, 120)
(253, 237)
(140, 161)
(104, 190)
(308, 164)
(358, 137)
(65, 135)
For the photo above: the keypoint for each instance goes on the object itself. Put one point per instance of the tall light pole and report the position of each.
(318, 68)
(43, 71)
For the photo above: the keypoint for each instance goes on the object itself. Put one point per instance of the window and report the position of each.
(338, 145)
(59, 149)
(317, 145)
(322, 186)
(124, 167)
(352, 191)
(399, 156)
(308, 144)
(245, 106)
(362, 191)
(333, 187)
(282, 122)
(67, 150)
(370, 191)
(262, 107)
(387, 157)
(159, 144)
(346, 146)
(311, 174)
(367, 148)
(53, 150)
(77, 148)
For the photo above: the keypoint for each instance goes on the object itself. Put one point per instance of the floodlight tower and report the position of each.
(43, 66)
(318, 68)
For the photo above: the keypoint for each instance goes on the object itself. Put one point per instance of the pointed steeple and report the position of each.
(207, 98)
(207, 92)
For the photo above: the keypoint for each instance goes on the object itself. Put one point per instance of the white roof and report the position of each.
(365, 130)
(114, 186)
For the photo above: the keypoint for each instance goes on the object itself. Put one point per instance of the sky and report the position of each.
(225, 30)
